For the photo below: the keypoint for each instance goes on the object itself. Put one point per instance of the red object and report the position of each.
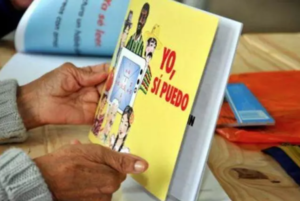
(279, 93)
(110, 80)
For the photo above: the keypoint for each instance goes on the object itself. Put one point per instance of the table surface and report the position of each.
(262, 179)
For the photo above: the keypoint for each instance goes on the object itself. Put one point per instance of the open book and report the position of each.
(47, 38)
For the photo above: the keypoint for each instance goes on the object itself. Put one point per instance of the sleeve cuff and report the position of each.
(12, 128)
(20, 178)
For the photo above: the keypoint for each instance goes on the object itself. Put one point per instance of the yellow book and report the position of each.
(172, 42)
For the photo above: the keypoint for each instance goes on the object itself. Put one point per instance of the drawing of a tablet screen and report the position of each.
(125, 83)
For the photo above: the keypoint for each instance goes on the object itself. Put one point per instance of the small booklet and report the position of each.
(241, 108)
(153, 81)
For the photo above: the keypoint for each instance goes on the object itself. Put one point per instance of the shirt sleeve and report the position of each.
(12, 128)
(20, 178)
(9, 17)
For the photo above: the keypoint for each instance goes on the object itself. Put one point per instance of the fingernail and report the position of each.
(139, 166)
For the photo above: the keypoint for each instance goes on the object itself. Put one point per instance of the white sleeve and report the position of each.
(125, 150)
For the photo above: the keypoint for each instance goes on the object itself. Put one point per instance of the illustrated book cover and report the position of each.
(154, 77)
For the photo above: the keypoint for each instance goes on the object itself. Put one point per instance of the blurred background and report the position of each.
(258, 16)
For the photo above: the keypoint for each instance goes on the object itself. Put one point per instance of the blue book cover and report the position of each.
(241, 108)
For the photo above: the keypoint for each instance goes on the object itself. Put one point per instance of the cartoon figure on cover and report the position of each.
(109, 116)
(136, 43)
(153, 43)
(124, 36)
(117, 143)
(110, 119)
(122, 77)
(100, 114)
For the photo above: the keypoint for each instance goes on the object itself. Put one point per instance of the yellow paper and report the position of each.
(157, 126)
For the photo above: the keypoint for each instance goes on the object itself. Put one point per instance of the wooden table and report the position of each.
(261, 178)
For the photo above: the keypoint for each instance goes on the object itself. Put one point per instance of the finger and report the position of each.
(100, 198)
(75, 142)
(123, 177)
(107, 198)
(89, 95)
(124, 163)
(101, 68)
(111, 178)
(100, 88)
(88, 77)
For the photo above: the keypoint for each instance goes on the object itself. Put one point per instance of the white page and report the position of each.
(26, 68)
(196, 144)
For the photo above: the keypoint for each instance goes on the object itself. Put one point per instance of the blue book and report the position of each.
(64, 27)
(242, 108)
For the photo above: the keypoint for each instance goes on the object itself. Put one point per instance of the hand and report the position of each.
(87, 172)
(67, 95)
(21, 4)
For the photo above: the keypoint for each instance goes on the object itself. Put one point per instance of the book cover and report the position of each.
(242, 108)
(154, 77)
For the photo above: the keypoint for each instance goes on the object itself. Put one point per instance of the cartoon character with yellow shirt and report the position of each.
(110, 118)
(118, 143)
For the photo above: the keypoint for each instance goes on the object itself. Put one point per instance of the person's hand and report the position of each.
(87, 172)
(21, 4)
(67, 95)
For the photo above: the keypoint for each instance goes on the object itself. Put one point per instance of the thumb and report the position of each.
(125, 163)
(91, 76)
(75, 142)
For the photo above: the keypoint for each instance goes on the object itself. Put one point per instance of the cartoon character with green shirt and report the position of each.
(135, 43)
